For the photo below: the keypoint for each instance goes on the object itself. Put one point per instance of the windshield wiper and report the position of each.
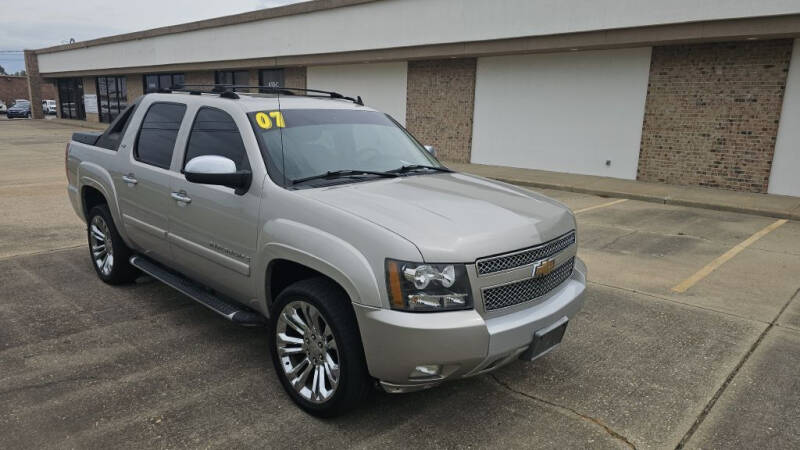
(413, 167)
(331, 174)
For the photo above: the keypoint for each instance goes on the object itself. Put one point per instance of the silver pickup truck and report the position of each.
(367, 259)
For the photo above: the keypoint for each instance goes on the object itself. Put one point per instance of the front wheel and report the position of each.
(316, 348)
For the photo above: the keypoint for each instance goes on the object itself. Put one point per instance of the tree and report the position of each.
(3, 71)
(21, 73)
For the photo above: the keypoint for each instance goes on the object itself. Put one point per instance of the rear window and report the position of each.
(112, 137)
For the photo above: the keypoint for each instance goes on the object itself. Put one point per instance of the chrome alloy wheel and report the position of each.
(102, 249)
(307, 351)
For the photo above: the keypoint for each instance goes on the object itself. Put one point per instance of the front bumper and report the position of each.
(464, 343)
(13, 114)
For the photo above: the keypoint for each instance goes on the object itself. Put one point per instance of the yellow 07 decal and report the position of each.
(263, 119)
(278, 119)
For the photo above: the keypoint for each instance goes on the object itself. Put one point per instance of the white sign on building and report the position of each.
(90, 103)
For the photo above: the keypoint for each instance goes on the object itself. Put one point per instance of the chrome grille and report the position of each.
(528, 289)
(525, 257)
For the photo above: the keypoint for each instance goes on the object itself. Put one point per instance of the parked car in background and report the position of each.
(3, 107)
(21, 108)
(48, 106)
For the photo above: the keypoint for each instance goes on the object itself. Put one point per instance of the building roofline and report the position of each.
(769, 27)
(304, 7)
(311, 6)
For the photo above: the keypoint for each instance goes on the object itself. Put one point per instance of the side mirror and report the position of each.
(218, 170)
(431, 149)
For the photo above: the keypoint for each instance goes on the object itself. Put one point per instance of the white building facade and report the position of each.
(685, 92)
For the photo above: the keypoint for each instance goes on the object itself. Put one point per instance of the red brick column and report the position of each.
(34, 84)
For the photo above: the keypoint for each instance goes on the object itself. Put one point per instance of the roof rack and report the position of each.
(228, 91)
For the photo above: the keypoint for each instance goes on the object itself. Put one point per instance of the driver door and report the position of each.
(213, 230)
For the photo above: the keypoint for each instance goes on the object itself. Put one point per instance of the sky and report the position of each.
(30, 24)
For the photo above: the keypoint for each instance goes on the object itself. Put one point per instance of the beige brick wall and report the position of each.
(439, 105)
(135, 87)
(294, 77)
(90, 88)
(200, 77)
(252, 79)
(712, 111)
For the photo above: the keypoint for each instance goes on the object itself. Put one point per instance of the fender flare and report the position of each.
(330, 258)
(95, 176)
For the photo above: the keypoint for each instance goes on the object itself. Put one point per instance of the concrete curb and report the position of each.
(667, 200)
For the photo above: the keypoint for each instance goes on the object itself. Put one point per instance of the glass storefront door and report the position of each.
(70, 98)
(112, 97)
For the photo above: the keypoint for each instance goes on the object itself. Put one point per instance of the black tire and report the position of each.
(333, 304)
(120, 270)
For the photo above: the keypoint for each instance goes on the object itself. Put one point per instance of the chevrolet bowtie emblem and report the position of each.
(543, 267)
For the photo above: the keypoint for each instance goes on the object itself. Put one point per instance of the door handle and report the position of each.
(129, 179)
(181, 197)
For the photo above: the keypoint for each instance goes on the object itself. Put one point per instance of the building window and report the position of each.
(70, 98)
(231, 78)
(112, 97)
(273, 78)
(156, 81)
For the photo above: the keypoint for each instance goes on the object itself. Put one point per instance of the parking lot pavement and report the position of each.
(651, 248)
(643, 365)
(762, 403)
(36, 214)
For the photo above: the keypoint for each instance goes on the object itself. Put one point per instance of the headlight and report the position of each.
(422, 287)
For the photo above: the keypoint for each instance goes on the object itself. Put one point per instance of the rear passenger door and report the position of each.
(214, 231)
(144, 189)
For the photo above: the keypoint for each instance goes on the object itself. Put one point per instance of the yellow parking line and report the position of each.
(713, 265)
(603, 205)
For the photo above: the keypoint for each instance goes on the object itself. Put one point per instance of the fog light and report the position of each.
(434, 370)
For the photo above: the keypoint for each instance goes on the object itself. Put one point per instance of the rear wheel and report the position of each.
(316, 348)
(108, 252)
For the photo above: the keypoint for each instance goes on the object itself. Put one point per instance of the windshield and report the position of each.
(21, 103)
(301, 143)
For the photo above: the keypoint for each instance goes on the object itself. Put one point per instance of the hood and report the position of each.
(453, 217)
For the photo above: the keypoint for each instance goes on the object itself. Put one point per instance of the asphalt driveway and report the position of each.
(690, 337)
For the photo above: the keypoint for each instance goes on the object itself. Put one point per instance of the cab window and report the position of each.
(215, 133)
(158, 134)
